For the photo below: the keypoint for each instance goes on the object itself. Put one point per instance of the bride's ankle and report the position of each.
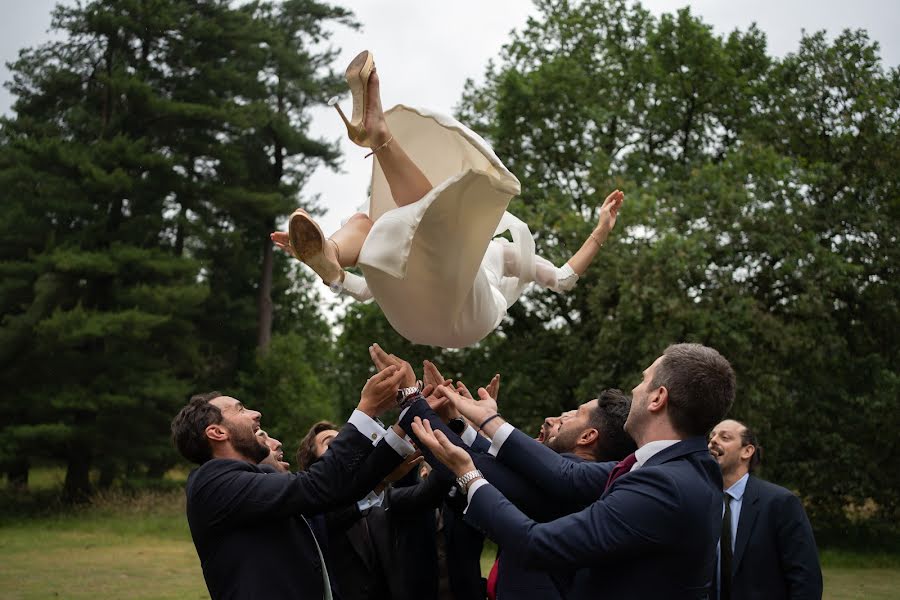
(379, 136)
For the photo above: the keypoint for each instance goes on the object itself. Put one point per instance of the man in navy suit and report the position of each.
(247, 523)
(773, 552)
(654, 529)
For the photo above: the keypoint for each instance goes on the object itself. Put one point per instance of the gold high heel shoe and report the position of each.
(308, 243)
(357, 76)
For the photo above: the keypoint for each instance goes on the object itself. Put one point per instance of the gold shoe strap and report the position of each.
(337, 250)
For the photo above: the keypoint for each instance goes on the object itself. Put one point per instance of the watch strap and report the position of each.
(465, 479)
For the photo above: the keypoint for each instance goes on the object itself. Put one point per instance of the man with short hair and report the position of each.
(275, 459)
(595, 430)
(653, 531)
(550, 427)
(772, 553)
(592, 432)
(248, 525)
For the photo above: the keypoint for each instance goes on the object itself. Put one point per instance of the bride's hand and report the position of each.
(609, 212)
(283, 241)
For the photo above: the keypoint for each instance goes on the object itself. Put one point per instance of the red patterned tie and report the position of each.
(620, 469)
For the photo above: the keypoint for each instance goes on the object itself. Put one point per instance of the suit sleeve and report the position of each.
(797, 550)
(420, 409)
(580, 482)
(481, 444)
(428, 493)
(634, 518)
(517, 488)
(237, 493)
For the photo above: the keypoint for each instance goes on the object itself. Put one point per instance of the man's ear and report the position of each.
(588, 437)
(659, 399)
(216, 432)
(747, 452)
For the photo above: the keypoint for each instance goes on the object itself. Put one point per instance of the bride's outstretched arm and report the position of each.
(563, 279)
(582, 259)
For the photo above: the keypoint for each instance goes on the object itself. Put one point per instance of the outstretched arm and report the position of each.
(635, 517)
(609, 212)
(582, 482)
(563, 279)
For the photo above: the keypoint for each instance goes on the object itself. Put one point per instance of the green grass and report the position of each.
(138, 546)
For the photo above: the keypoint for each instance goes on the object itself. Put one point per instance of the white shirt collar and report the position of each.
(737, 489)
(646, 452)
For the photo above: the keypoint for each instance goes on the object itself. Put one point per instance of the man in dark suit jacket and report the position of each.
(774, 554)
(248, 525)
(653, 532)
(592, 432)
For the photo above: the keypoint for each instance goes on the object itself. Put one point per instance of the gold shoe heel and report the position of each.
(357, 76)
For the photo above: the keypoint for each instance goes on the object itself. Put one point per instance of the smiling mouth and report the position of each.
(716, 452)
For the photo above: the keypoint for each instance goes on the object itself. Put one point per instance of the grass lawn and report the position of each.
(140, 548)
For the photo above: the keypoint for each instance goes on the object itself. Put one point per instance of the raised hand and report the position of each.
(609, 212)
(382, 359)
(283, 241)
(476, 411)
(455, 458)
(431, 375)
(380, 392)
(440, 403)
(493, 388)
(405, 467)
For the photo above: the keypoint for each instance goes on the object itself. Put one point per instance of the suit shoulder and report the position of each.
(215, 468)
(768, 489)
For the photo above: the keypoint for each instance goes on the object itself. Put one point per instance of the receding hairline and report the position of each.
(735, 421)
(218, 405)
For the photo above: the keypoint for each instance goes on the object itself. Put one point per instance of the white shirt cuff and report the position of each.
(367, 426)
(469, 435)
(401, 446)
(500, 436)
(472, 489)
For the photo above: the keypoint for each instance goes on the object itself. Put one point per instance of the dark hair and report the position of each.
(306, 453)
(701, 386)
(189, 427)
(748, 438)
(609, 421)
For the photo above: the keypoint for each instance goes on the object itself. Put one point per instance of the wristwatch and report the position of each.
(467, 478)
(457, 425)
(406, 396)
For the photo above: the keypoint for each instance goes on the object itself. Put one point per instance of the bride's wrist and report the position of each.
(599, 235)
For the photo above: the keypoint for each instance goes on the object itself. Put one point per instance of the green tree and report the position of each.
(152, 150)
(760, 218)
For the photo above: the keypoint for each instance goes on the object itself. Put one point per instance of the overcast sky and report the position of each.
(426, 49)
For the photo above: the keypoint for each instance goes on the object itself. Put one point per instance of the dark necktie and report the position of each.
(620, 469)
(725, 552)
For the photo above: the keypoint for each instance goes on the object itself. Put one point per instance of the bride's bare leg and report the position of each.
(348, 240)
(408, 184)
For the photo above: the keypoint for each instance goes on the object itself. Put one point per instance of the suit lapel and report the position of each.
(749, 512)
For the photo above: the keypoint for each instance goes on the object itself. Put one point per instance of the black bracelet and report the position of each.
(488, 420)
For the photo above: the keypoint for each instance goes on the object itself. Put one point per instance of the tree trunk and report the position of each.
(77, 487)
(264, 299)
(17, 474)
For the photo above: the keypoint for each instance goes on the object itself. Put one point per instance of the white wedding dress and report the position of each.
(436, 267)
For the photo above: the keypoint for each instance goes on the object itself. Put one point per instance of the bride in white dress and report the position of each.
(429, 252)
